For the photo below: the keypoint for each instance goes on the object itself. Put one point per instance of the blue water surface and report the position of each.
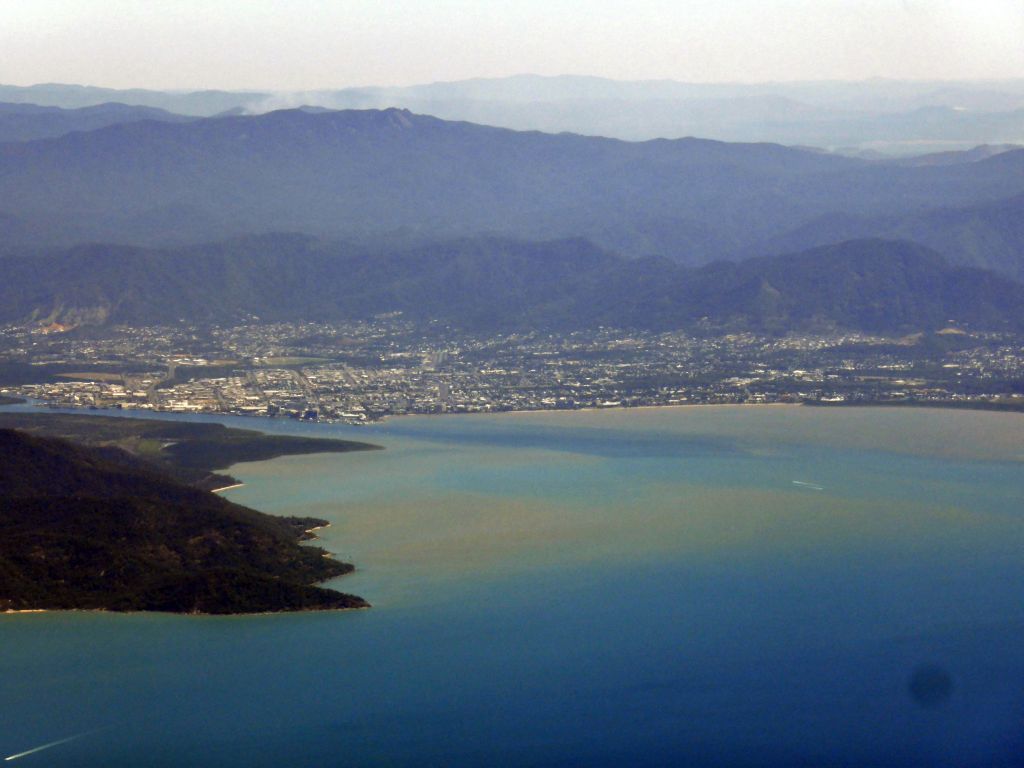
(752, 653)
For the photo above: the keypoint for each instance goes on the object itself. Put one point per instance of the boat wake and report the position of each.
(808, 486)
(49, 745)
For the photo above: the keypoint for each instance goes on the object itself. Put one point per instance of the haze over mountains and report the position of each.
(371, 174)
(475, 224)
(891, 116)
(25, 122)
(987, 235)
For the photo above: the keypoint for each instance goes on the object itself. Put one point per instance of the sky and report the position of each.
(313, 44)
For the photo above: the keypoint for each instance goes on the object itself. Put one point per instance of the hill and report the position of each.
(85, 529)
(190, 452)
(990, 235)
(870, 285)
(364, 175)
(26, 122)
(486, 284)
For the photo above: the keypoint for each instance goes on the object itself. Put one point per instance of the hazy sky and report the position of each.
(302, 44)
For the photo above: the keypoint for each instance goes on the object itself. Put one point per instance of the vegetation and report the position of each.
(988, 235)
(85, 528)
(489, 284)
(189, 452)
(14, 373)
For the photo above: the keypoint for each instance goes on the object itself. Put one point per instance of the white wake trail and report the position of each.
(40, 748)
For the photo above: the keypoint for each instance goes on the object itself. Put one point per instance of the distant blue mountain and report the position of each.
(390, 173)
(68, 96)
(26, 122)
(988, 235)
(877, 115)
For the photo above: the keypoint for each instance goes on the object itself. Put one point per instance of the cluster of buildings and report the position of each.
(364, 371)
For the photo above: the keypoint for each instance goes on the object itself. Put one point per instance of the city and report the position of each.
(360, 372)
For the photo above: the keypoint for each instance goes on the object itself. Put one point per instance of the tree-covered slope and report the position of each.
(85, 529)
(490, 283)
(190, 452)
(872, 285)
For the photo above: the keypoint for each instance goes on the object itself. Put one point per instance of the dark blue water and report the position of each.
(696, 608)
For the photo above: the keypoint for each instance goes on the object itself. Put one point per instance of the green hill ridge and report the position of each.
(96, 529)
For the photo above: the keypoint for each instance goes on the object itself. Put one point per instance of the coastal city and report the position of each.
(361, 372)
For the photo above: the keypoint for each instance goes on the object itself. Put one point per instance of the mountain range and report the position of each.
(27, 122)
(484, 226)
(988, 235)
(486, 284)
(903, 117)
(390, 174)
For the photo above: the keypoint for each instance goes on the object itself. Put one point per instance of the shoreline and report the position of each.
(196, 615)
(217, 416)
(548, 411)
(978, 406)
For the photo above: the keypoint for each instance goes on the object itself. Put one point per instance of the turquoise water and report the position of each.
(618, 588)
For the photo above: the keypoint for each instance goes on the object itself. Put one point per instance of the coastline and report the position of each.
(195, 588)
(741, 412)
(196, 615)
(672, 407)
(217, 415)
(956, 406)
(549, 411)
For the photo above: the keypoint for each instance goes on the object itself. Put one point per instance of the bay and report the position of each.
(698, 586)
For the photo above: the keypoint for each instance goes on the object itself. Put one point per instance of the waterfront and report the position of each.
(361, 372)
(643, 587)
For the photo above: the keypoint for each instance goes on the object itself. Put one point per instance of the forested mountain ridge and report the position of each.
(365, 175)
(988, 235)
(495, 283)
(87, 528)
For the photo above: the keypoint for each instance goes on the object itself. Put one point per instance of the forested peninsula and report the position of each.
(91, 525)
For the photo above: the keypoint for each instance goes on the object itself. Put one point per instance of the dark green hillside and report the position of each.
(871, 285)
(481, 281)
(93, 530)
(867, 285)
(191, 452)
(486, 284)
